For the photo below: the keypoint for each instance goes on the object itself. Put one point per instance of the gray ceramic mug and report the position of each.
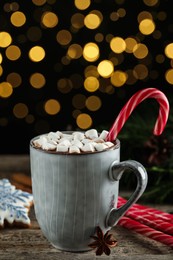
(74, 193)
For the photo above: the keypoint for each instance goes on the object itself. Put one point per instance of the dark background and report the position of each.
(15, 133)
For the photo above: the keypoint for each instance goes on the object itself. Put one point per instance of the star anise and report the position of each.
(103, 242)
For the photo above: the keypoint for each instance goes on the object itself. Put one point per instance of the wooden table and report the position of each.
(21, 244)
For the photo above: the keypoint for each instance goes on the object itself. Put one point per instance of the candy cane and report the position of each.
(146, 231)
(136, 99)
(161, 215)
(146, 218)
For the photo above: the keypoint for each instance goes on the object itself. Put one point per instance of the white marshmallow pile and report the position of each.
(75, 142)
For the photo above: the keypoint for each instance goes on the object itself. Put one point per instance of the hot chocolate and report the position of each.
(76, 142)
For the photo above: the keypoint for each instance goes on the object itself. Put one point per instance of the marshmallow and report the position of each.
(77, 143)
(92, 133)
(100, 147)
(103, 134)
(37, 143)
(98, 140)
(78, 136)
(59, 134)
(62, 148)
(53, 136)
(65, 142)
(85, 141)
(109, 144)
(40, 141)
(74, 149)
(89, 147)
(67, 136)
(44, 143)
(47, 146)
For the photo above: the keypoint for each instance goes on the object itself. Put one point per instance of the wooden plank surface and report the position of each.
(21, 244)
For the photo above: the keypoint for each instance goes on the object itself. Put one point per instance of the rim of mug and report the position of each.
(116, 146)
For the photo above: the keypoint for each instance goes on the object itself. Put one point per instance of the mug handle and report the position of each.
(115, 172)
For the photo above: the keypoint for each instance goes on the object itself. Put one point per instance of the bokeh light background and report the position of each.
(68, 65)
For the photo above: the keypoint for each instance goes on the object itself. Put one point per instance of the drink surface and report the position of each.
(75, 142)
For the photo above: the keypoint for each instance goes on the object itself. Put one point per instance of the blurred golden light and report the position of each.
(169, 76)
(140, 71)
(1, 58)
(65, 60)
(150, 2)
(78, 101)
(18, 19)
(75, 113)
(162, 16)
(114, 16)
(64, 85)
(117, 44)
(5, 39)
(51, 2)
(39, 2)
(98, 13)
(20, 110)
(93, 103)
(116, 60)
(13, 52)
(105, 68)
(34, 33)
(77, 20)
(1, 70)
(92, 21)
(63, 37)
(157, 34)
(121, 12)
(140, 51)
(101, 74)
(169, 50)
(74, 51)
(118, 78)
(82, 4)
(14, 79)
(29, 119)
(147, 26)
(91, 84)
(109, 90)
(11, 7)
(84, 121)
(6, 89)
(171, 63)
(91, 52)
(37, 53)
(130, 44)
(52, 106)
(3, 121)
(144, 15)
(91, 70)
(109, 37)
(160, 58)
(37, 80)
(131, 80)
(49, 19)
(99, 37)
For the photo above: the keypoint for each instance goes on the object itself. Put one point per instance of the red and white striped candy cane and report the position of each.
(161, 215)
(152, 221)
(146, 231)
(136, 99)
